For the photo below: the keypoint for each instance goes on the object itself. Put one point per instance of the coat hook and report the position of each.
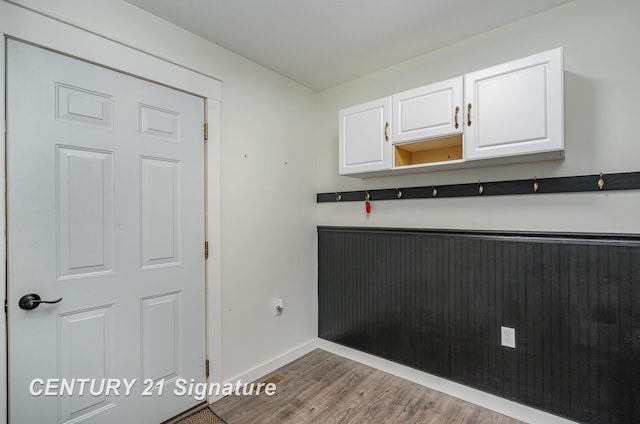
(399, 193)
(535, 184)
(435, 191)
(338, 197)
(601, 181)
(480, 187)
(367, 196)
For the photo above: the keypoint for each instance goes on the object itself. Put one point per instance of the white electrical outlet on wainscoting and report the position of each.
(508, 337)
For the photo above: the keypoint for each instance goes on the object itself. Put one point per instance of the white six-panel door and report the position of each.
(105, 203)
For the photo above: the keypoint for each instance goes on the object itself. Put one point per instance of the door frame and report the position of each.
(73, 40)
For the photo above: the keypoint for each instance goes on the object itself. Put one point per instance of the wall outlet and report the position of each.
(278, 306)
(508, 337)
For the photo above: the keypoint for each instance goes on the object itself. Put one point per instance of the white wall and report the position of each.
(600, 42)
(267, 181)
(279, 147)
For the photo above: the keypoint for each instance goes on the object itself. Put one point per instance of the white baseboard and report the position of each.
(477, 397)
(271, 365)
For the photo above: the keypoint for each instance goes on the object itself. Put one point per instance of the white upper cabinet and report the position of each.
(512, 112)
(365, 135)
(516, 109)
(431, 111)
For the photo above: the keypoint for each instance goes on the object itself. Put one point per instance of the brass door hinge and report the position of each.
(206, 368)
(206, 250)
(206, 131)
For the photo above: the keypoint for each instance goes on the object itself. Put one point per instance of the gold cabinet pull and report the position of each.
(469, 114)
(386, 131)
(456, 116)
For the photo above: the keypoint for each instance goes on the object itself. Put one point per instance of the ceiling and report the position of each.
(323, 43)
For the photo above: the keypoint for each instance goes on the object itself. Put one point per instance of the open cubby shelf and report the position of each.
(428, 151)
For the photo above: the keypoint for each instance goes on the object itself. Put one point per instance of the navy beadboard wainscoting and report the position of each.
(435, 300)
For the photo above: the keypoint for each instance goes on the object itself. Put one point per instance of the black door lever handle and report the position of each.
(32, 301)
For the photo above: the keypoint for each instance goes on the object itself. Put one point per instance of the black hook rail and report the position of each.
(574, 184)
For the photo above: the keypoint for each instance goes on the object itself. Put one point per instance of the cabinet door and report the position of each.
(365, 137)
(431, 111)
(515, 108)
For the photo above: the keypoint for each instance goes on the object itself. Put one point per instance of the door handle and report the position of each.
(32, 301)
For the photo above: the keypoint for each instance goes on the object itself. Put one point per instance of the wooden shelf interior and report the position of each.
(429, 151)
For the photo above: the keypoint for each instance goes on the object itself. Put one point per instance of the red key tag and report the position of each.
(367, 204)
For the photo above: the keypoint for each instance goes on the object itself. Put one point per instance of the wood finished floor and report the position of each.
(325, 388)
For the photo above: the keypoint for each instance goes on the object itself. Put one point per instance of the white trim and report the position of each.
(214, 268)
(3, 241)
(271, 365)
(54, 34)
(108, 37)
(477, 397)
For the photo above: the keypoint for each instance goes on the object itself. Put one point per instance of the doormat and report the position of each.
(204, 416)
